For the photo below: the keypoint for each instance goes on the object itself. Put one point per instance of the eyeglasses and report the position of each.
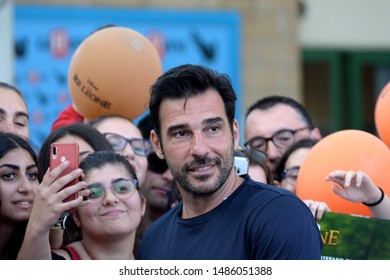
(140, 146)
(291, 175)
(122, 189)
(281, 139)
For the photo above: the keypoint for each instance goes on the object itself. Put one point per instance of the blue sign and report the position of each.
(47, 36)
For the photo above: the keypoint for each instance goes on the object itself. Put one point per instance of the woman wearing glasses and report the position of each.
(286, 173)
(108, 217)
(126, 139)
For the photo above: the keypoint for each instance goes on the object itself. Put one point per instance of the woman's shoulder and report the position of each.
(70, 252)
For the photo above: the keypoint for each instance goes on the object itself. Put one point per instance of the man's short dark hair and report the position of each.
(273, 100)
(185, 81)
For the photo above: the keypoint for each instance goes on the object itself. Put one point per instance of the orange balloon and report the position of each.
(343, 150)
(382, 114)
(111, 73)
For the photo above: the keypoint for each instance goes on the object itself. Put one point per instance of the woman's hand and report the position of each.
(48, 203)
(355, 186)
(317, 208)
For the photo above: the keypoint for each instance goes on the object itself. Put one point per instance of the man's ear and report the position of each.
(316, 134)
(236, 134)
(143, 204)
(156, 144)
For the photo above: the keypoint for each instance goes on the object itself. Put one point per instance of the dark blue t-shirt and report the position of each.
(257, 221)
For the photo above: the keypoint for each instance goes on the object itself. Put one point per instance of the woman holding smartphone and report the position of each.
(108, 218)
(89, 140)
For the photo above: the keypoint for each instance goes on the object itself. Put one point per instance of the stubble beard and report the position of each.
(203, 186)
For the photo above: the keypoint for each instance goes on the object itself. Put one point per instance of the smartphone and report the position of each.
(60, 152)
(241, 164)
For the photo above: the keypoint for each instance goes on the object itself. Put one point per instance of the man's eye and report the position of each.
(180, 134)
(257, 144)
(283, 139)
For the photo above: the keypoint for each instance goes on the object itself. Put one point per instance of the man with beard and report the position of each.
(222, 216)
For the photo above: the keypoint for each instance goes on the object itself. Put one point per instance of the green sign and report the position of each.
(354, 237)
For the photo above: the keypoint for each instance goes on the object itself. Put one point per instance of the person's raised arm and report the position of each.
(47, 209)
(357, 186)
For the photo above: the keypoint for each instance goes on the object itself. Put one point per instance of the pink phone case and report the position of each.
(59, 152)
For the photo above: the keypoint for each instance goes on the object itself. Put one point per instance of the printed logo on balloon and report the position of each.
(111, 72)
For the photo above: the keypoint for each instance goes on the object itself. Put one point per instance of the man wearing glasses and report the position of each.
(274, 123)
